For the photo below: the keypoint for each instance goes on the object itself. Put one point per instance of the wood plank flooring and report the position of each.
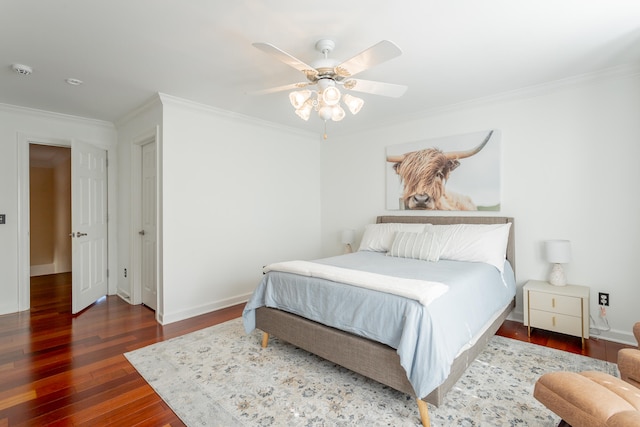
(594, 347)
(59, 369)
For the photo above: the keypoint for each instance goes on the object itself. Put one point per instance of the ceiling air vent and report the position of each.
(24, 70)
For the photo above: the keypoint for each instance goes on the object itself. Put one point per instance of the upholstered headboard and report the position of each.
(511, 250)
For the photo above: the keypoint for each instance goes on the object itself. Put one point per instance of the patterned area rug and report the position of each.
(220, 376)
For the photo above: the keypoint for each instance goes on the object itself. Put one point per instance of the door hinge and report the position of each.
(107, 273)
(107, 162)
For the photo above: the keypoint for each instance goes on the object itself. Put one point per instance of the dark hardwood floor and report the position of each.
(60, 369)
(594, 347)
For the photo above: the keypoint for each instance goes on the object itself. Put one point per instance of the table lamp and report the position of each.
(558, 252)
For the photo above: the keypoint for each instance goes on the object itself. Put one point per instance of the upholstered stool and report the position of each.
(589, 398)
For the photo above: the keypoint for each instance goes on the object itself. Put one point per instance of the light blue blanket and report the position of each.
(427, 339)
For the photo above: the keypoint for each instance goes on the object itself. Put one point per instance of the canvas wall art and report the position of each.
(453, 173)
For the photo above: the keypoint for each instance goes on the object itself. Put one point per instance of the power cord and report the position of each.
(594, 329)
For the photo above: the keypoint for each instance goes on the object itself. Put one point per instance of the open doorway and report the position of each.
(50, 220)
(89, 221)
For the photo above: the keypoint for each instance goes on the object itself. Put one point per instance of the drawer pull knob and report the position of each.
(553, 302)
(553, 320)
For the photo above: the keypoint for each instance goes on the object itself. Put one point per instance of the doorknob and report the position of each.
(79, 234)
(141, 232)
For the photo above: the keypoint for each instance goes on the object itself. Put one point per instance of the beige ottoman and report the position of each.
(589, 398)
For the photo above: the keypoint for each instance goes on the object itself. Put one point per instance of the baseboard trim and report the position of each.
(42, 269)
(165, 319)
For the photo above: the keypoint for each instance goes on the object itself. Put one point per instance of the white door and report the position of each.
(88, 225)
(148, 231)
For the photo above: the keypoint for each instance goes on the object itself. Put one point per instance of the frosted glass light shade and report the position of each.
(338, 113)
(331, 95)
(298, 98)
(353, 103)
(304, 112)
(325, 113)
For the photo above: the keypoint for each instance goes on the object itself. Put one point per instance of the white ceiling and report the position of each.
(453, 51)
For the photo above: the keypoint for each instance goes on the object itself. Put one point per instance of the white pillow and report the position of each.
(379, 237)
(424, 246)
(474, 242)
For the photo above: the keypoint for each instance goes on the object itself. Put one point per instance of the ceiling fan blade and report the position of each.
(376, 54)
(283, 56)
(292, 86)
(377, 88)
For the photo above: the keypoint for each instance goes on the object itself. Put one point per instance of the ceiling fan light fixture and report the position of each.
(298, 98)
(331, 95)
(328, 74)
(354, 104)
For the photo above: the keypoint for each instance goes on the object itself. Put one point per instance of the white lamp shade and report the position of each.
(348, 237)
(558, 251)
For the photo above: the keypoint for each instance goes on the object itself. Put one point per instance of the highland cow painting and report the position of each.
(454, 173)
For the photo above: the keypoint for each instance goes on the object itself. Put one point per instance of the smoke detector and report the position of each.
(24, 70)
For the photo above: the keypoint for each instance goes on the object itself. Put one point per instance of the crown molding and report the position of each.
(613, 73)
(153, 101)
(242, 118)
(623, 71)
(53, 115)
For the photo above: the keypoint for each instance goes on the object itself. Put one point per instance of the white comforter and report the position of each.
(422, 291)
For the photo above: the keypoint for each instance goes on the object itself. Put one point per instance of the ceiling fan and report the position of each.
(329, 75)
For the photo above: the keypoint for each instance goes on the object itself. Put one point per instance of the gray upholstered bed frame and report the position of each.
(370, 358)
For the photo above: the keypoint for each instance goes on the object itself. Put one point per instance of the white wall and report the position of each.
(237, 194)
(16, 122)
(570, 171)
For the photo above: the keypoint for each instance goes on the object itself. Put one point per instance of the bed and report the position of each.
(385, 358)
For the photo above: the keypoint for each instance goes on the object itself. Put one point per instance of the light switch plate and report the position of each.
(2, 218)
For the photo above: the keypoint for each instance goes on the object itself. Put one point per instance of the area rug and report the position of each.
(220, 376)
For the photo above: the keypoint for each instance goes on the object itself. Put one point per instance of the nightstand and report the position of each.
(563, 309)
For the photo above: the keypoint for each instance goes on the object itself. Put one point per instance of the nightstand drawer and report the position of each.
(563, 309)
(556, 322)
(561, 304)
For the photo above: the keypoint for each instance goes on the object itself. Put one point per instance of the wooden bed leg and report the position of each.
(265, 339)
(423, 407)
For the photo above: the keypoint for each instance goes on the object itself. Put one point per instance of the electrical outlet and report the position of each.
(603, 299)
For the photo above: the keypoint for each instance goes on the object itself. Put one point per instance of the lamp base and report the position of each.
(557, 277)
